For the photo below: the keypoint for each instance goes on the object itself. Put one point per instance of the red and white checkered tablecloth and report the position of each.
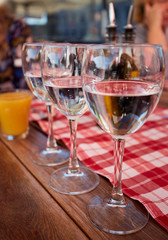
(145, 166)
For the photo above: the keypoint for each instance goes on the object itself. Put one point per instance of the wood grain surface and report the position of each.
(27, 210)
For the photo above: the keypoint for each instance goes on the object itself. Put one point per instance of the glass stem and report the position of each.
(73, 161)
(51, 142)
(117, 197)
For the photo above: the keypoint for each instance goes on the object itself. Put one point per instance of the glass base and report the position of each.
(51, 157)
(117, 220)
(74, 183)
(13, 137)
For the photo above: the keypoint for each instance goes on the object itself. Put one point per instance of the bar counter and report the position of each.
(30, 209)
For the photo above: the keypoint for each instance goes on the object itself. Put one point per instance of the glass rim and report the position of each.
(124, 45)
(38, 44)
(93, 45)
(73, 45)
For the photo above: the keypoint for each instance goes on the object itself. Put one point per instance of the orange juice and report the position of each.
(14, 112)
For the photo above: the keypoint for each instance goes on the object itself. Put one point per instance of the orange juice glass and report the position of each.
(14, 113)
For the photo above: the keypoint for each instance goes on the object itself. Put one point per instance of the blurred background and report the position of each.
(70, 20)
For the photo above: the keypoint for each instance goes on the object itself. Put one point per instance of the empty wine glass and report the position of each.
(61, 73)
(53, 154)
(122, 85)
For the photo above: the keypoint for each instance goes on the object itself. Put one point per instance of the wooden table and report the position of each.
(31, 210)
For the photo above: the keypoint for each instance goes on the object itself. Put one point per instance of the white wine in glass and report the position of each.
(61, 73)
(122, 85)
(52, 154)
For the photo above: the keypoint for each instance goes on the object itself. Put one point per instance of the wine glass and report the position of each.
(53, 154)
(61, 73)
(122, 85)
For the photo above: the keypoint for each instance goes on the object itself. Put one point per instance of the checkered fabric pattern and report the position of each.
(145, 165)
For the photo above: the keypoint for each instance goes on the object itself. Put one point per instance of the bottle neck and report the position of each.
(128, 35)
(112, 34)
